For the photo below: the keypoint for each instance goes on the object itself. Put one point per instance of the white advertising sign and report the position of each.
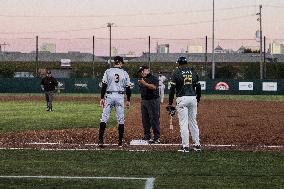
(269, 86)
(203, 85)
(246, 86)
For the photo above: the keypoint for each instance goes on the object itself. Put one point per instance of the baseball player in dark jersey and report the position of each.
(115, 83)
(185, 85)
(48, 85)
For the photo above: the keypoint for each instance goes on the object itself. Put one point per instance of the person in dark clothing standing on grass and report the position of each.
(150, 104)
(48, 85)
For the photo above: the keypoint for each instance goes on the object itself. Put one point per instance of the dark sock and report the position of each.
(102, 131)
(120, 131)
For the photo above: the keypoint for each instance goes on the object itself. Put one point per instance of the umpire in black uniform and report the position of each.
(48, 85)
(150, 104)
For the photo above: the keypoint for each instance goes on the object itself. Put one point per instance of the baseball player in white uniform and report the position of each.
(185, 84)
(115, 84)
(162, 86)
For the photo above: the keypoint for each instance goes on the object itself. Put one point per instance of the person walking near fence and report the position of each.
(115, 83)
(48, 85)
(185, 84)
(150, 104)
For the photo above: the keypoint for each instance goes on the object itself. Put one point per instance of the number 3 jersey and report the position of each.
(185, 80)
(116, 79)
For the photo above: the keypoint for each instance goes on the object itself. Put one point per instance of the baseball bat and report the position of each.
(171, 122)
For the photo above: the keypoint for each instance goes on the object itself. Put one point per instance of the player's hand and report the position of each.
(102, 103)
(198, 99)
(142, 82)
(127, 104)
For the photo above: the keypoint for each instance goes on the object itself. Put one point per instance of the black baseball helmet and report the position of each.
(118, 59)
(182, 60)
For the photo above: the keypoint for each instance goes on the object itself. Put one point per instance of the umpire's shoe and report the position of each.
(101, 144)
(197, 148)
(155, 141)
(120, 143)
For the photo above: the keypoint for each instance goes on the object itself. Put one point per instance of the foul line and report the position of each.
(206, 145)
(148, 185)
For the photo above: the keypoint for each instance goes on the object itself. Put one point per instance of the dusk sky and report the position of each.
(171, 19)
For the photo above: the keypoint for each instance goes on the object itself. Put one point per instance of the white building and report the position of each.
(163, 48)
(276, 48)
(195, 49)
(49, 47)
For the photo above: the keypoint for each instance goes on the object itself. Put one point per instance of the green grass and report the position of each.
(245, 97)
(31, 115)
(170, 169)
(212, 97)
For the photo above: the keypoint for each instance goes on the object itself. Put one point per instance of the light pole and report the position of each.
(93, 63)
(260, 41)
(109, 25)
(213, 40)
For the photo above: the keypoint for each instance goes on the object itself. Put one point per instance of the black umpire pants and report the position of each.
(49, 98)
(150, 110)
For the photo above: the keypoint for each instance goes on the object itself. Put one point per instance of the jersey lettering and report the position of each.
(116, 78)
(187, 79)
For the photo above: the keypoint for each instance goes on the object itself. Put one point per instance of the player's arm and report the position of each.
(103, 90)
(172, 93)
(42, 85)
(128, 93)
(198, 89)
(148, 85)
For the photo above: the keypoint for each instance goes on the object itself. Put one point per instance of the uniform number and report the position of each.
(116, 78)
(187, 79)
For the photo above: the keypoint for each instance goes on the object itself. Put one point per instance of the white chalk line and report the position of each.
(148, 185)
(206, 145)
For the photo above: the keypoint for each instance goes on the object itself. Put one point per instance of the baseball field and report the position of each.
(242, 145)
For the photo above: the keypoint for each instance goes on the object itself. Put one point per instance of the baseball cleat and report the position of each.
(184, 149)
(197, 148)
(156, 141)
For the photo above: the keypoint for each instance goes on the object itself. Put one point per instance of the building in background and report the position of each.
(48, 47)
(195, 49)
(219, 49)
(276, 48)
(163, 48)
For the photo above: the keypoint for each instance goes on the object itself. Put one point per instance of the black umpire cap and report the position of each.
(118, 59)
(141, 68)
(48, 72)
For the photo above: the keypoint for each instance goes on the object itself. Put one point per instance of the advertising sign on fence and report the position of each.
(203, 85)
(221, 86)
(269, 86)
(246, 86)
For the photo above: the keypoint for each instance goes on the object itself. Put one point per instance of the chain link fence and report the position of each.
(89, 56)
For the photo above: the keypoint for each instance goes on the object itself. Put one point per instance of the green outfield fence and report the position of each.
(89, 85)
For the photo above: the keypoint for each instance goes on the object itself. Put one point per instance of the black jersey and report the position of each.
(49, 83)
(147, 94)
(185, 80)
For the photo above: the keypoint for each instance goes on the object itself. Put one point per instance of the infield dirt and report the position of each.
(245, 125)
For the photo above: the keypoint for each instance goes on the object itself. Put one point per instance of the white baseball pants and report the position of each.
(187, 111)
